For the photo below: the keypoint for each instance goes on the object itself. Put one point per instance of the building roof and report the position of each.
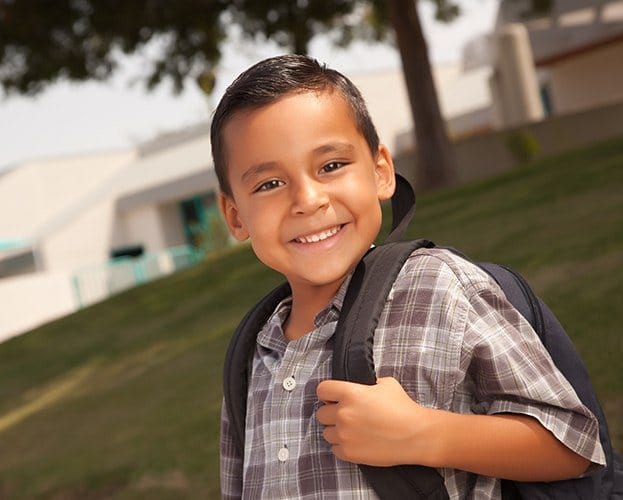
(171, 173)
(187, 156)
(571, 27)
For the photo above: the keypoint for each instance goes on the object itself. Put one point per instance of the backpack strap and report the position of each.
(353, 360)
(239, 354)
(403, 209)
(354, 334)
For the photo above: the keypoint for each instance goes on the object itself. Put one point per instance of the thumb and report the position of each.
(387, 381)
(333, 391)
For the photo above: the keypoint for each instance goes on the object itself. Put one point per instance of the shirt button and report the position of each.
(283, 454)
(289, 383)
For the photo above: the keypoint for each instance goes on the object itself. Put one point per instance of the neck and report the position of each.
(307, 302)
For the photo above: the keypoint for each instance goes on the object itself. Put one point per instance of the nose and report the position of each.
(308, 195)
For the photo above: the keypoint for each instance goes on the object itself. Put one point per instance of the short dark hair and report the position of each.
(273, 78)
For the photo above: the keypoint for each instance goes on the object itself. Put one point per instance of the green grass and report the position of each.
(122, 399)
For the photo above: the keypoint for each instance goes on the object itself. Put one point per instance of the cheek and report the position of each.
(268, 253)
(372, 220)
(260, 222)
(376, 219)
(368, 200)
(264, 233)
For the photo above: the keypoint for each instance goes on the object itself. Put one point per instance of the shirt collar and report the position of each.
(272, 337)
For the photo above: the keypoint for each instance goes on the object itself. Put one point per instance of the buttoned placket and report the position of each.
(290, 371)
(284, 398)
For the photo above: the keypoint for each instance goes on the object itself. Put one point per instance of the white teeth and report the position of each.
(314, 238)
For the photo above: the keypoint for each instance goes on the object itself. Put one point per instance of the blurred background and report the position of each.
(119, 285)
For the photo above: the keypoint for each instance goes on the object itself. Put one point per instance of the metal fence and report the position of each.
(98, 282)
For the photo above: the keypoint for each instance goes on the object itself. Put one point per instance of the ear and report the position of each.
(385, 177)
(232, 218)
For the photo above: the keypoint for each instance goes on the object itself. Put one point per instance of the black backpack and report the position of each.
(353, 361)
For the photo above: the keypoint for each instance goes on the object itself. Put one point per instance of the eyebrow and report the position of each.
(335, 147)
(256, 170)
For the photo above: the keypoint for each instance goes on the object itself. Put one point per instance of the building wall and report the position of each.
(35, 191)
(464, 100)
(386, 96)
(588, 80)
(514, 84)
(154, 226)
(83, 240)
(144, 226)
(172, 228)
(31, 300)
(486, 155)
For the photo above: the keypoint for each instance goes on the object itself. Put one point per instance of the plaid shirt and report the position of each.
(448, 335)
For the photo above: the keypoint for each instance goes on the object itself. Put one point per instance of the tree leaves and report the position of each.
(42, 41)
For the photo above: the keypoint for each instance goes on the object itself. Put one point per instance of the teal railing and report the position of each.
(11, 244)
(98, 282)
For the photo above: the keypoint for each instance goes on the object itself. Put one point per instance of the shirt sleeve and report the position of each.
(512, 372)
(230, 461)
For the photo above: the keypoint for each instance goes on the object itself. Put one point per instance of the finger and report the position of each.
(328, 391)
(330, 435)
(386, 381)
(338, 451)
(334, 391)
(327, 414)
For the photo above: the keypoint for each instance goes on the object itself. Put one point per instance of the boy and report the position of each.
(464, 383)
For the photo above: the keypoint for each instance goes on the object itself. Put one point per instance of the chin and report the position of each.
(325, 279)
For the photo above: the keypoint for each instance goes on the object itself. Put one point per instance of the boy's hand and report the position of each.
(371, 424)
(381, 425)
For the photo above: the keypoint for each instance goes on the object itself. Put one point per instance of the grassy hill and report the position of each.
(122, 399)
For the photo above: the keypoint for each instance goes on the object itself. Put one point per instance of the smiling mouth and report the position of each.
(322, 235)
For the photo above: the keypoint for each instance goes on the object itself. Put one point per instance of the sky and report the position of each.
(74, 118)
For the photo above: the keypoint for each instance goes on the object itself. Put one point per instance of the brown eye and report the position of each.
(272, 184)
(332, 166)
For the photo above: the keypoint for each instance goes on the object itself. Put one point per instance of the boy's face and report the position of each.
(305, 187)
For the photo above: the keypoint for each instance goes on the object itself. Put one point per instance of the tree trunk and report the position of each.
(436, 164)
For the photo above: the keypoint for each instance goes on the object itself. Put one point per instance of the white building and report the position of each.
(577, 50)
(530, 67)
(66, 224)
